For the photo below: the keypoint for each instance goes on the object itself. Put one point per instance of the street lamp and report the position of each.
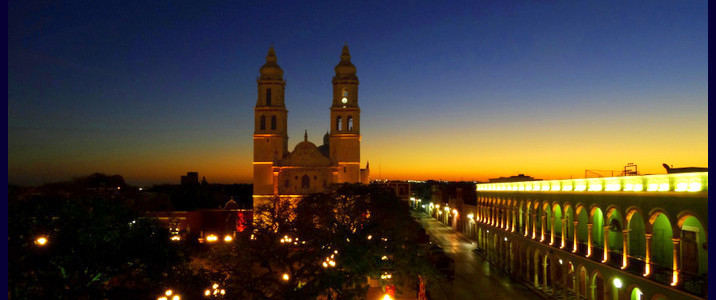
(169, 293)
(41, 241)
(617, 283)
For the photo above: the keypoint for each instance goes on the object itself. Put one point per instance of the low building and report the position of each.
(629, 237)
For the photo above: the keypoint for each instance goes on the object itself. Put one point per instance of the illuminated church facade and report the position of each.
(308, 168)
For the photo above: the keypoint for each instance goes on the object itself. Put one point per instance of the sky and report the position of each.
(448, 90)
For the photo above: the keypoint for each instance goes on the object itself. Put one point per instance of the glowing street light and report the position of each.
(285, 277)
(228, 238)
(41, 241)
(169, 293)
(617, 283)
(212, 238)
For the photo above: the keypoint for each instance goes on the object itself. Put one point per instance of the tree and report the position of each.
(326, 244)
(94, 249)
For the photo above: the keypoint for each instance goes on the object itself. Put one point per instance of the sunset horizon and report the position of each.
(469, 93)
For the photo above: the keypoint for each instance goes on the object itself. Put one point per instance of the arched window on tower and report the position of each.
(339, 126)
(349, 123)
(268, 97)
(273, 122)
(305, 182)
(263, 123)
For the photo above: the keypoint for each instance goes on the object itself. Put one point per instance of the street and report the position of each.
(474, 277)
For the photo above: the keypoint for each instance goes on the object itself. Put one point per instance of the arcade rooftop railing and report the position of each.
(675, 182)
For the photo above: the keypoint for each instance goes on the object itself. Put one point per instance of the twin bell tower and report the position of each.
(308, 168)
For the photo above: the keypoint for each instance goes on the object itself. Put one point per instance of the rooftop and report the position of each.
(675, 182)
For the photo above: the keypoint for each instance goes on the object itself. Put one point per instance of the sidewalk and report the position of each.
(491, 286)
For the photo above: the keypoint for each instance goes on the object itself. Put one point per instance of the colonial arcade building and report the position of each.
(307, 169)
(631, 237)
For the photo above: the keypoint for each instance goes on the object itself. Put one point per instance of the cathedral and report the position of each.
(308, 168)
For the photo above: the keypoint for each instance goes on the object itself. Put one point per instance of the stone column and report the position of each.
(514, 219)
(675, 276)
(647, 261)
(551, 233)
(536, 269)
(500, 217)
(606, 244)
(509, 218)
(574, 236)
(564, 234)
(589, 239)
(526, 222)
(542, 225)
(492, 215)
(625, 248)
(527, 267)
(506, 216)
(544, 274)
(534, 225)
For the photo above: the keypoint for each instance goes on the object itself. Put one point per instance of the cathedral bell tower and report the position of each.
(345, 121)
(270, 134)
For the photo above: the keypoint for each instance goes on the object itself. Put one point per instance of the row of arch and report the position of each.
(655, 239)
(666, 249)
(558, 275)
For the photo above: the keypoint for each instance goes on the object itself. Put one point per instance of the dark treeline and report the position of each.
(165, 197)
(97, 246)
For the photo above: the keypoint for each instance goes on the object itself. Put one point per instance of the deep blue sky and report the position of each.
(451, 90)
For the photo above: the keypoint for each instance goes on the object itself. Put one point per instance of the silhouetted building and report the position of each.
(190, 178)
(513, 178)
(400, 188)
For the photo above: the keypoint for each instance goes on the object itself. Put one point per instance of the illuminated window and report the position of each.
(338, 123)
(268, 97)
(273, 122)
(305, 182)
(350, 123)
(263, 123)
(345, 93)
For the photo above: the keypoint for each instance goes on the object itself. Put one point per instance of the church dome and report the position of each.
(304, 147)
(306, 154)
(271, 70)
(345, 68)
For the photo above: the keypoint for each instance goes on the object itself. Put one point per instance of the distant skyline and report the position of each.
(454, 91)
